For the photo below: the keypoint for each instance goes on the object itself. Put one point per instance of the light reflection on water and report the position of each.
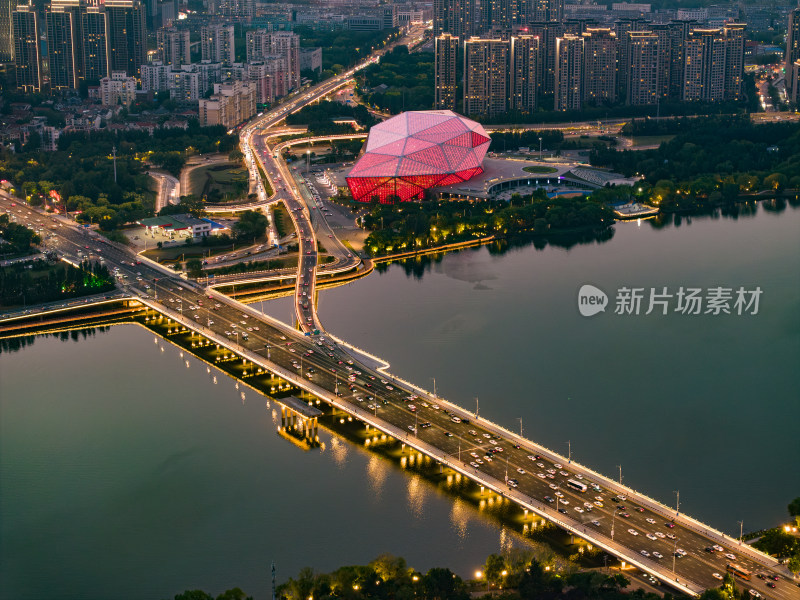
(377, 472)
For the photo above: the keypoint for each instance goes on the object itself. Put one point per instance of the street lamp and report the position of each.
(478, 575)
(540, 149)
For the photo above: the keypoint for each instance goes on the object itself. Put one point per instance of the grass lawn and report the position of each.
(539, 169)
(197, 250)
(227, 181)
(650, 140)
(283, 222)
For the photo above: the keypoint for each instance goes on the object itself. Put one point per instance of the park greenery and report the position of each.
(408, 79)
(320, 117)
(80, 175)
(412, 226)
(513, 576)
(781, 543)
(15, 239)
(43, 281)
(710, 161)
(342, 49)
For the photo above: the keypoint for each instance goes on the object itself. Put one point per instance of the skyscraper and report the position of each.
(704, 70)
(6, 38)
(600, 49)
(792, 47)
(173, 46)
(262, 45)
(568, 91)
(642, 73)
(540, 11)
(622, 28)
(25, 27)
(547, 32)
(217, 43)
(95, 47)
(734, 60)
(128, 35)
(63, 45)
(525, 62)
(486, 76)
(445, 64)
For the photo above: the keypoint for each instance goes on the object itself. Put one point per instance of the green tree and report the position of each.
(794, 507)
(194, 267)
(251, 225)
(495, 565)
(194, 595)
(234, 594)
(776, 181)
(794, 563)
(778, 543)
(443, 584)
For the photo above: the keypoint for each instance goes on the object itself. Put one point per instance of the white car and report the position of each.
(650, 536)
(644, 553)
(521, 471)
(718, 548)
(717, 576)
(651, 521)
(658, 555)
(633, 532)
(729, 556)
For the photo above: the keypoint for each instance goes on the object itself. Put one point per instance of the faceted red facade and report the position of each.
(413, 151)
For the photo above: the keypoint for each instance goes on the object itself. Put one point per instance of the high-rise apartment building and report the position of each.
(734, 60)
(714, 63)
(232, 103)
(217, 43)
(263, 45)
(622, 28)
(792, 47)
(547, 32)
(568, 91)
(127, 35)
(6, 36)
(95, 47)
(27, 62)
(704, 69)
(62, 20)
(642, 73)
(445, 65)
(524, 72)
(600, 47)
(173, 46)
(486, 76)
(540, 11)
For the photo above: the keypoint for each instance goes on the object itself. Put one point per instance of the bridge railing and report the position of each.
(609, 484)
(450, 460)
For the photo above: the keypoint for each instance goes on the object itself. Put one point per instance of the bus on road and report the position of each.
(738, 571)
(576, 485)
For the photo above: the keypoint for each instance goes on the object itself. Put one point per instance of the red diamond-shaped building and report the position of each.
(416, 150)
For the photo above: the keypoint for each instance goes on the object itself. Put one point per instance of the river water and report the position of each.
(126, 471)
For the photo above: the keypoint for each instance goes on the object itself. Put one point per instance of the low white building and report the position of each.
(117, 89)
